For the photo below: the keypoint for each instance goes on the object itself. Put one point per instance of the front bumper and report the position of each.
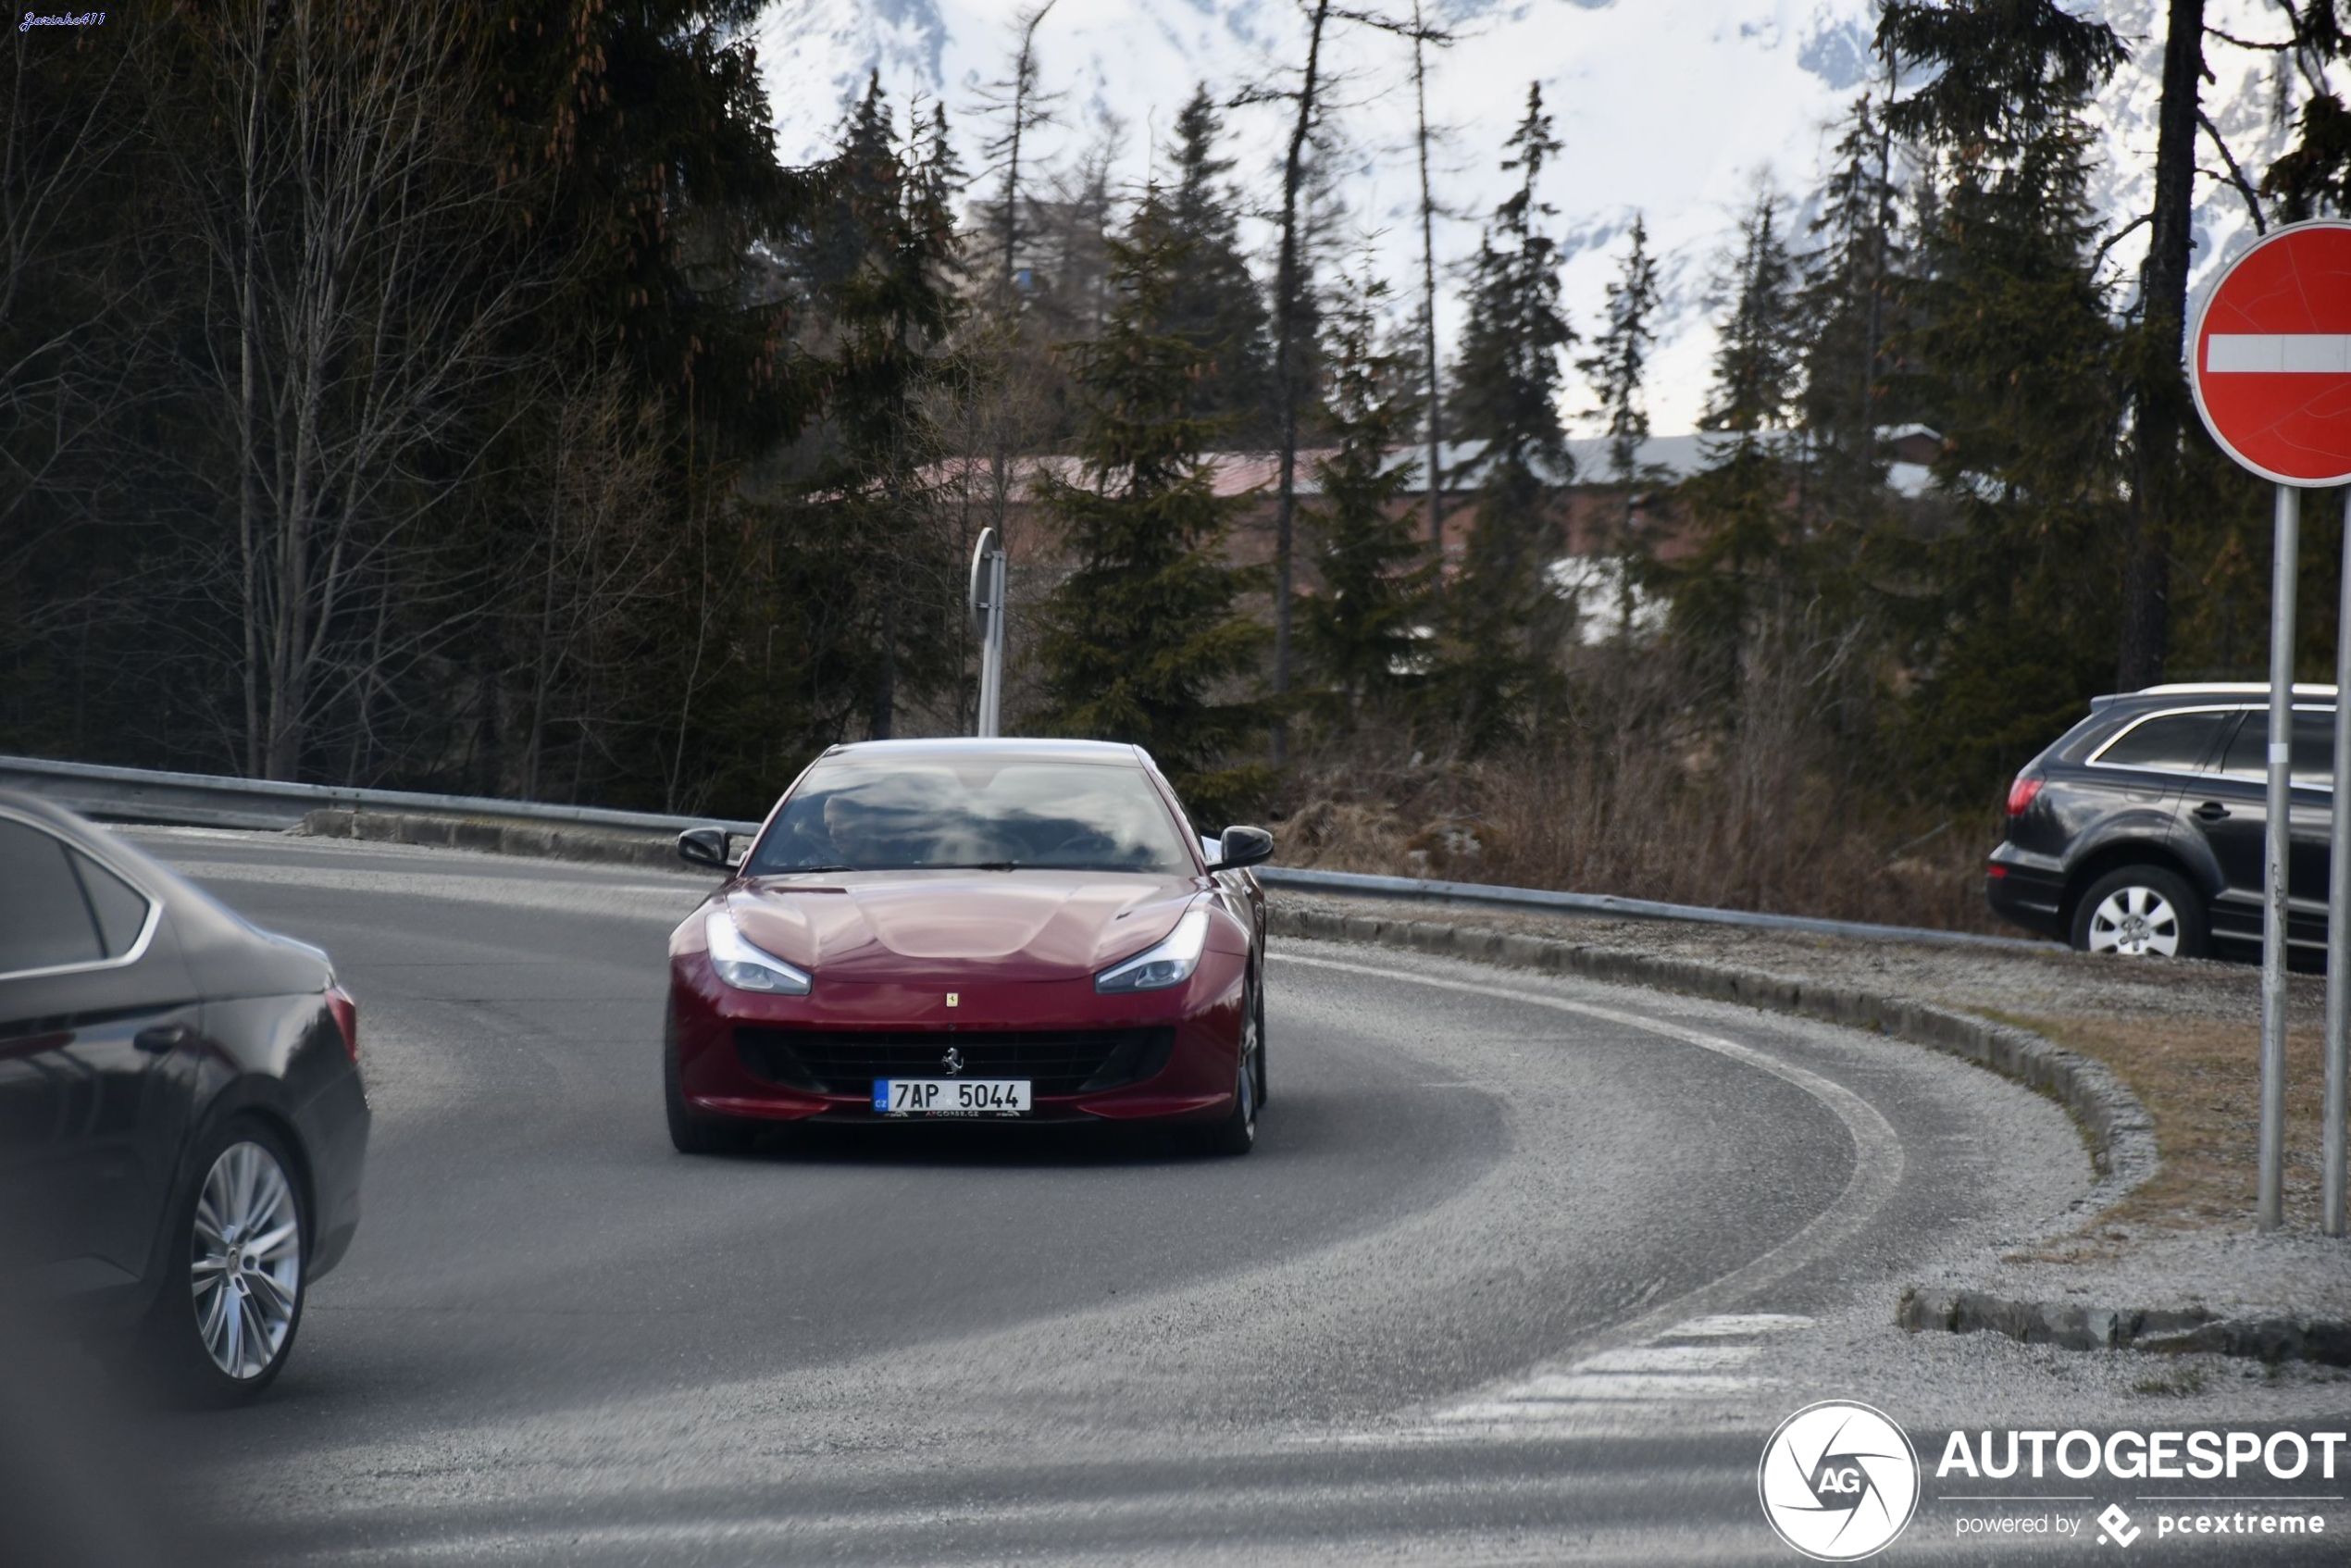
(1194, 1078)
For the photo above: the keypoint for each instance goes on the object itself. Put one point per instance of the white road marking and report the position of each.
(1730, 1325)
(2291, 353)
(1670, 1358)
(1596, 1389)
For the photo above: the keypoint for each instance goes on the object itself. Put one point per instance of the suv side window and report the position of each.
(2312, 757)
(2168, 742)
(45, 921)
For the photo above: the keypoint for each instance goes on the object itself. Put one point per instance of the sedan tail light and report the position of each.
(2021, 794)
(346, 1011)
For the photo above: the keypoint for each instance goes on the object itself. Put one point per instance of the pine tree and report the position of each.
(1506, 624)
(1361, 635)
(2012, 357)
(1618, 363)
(1144, 641)
(1740, 503)
(884, 281)
(1860, 250)
(1756, 358)
(1216, 306)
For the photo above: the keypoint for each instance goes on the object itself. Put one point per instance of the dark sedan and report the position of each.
(182, 1123)
(1007, 931)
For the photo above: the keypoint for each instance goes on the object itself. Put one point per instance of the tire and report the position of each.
(1236, 1133)
(690, 1131)
(2140, 912)
(236, 1268)
(1260, 1046)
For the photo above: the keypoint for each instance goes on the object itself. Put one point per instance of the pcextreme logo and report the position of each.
(1838, 1481)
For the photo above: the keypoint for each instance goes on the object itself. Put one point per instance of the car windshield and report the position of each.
(984, 814)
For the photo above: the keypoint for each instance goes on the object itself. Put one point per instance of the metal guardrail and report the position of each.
(1349, 884)
(204, 800)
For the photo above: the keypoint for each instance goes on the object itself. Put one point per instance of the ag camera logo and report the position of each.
(1838, 1481)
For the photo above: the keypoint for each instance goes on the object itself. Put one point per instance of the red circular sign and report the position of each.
(2270, 355)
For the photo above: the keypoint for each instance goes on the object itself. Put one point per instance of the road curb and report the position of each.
(2121, 1134)
(2326, 1341)
(490, 836)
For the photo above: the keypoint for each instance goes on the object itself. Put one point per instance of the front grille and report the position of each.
(1053, 1061)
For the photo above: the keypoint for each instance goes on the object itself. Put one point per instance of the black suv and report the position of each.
(2141, 829)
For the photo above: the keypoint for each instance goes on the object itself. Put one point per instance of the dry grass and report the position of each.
(2200, 1081)
(1655, 784)
(1656, 823)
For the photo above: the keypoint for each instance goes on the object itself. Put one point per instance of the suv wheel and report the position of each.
(2140, 911)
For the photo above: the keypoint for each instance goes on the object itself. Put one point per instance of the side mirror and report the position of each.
(704, 846)
(1242, 846)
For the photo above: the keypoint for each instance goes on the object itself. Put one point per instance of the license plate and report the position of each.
(951, 1097)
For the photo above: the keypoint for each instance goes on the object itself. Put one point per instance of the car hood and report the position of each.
(998, 925)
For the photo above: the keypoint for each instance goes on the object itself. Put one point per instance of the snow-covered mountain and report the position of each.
(1676, 108)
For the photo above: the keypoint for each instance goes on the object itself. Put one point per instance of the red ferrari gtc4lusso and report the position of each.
(980, 929)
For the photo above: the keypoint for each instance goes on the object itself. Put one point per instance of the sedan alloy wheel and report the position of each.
(245, 1262)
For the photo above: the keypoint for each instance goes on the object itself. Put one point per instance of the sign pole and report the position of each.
(986, 597)
(2277, 843)
(992, 656)
(2339, 911)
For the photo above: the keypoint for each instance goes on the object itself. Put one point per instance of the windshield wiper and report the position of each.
(803, 870)
(980, 865)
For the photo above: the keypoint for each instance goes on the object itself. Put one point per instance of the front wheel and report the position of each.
(690, 1131)
(2140, 911)
(1260, 1016)
(1237, 1134)
(231, 1300)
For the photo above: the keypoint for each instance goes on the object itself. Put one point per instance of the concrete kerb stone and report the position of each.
(2116, 1128)
(2190, 1331)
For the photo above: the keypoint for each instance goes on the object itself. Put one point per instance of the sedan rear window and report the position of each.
(2171, 742)
(984, 814)
(44, 920)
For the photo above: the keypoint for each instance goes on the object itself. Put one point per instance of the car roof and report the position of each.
(957, 748)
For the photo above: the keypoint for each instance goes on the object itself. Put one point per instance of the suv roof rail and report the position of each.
(2231, 688)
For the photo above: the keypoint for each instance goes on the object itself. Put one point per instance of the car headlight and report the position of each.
(1169, 964)
(745, 967)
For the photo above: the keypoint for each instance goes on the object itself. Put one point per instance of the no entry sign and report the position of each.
(2270, 363)
(2271, 356)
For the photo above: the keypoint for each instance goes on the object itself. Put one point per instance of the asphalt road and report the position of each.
(1522, 1270)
